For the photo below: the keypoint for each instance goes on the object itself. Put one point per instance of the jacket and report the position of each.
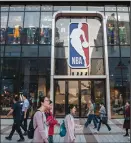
(51, 123)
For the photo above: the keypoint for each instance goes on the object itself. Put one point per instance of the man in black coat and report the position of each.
(16, 110)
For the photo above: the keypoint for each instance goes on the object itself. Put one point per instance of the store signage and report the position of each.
(78, 45)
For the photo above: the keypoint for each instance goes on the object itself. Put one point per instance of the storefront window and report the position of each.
(45, 51)
(122, 8)
(113, 51)
(16, 8)
(31, 28)
(62, 26)
(96, 52)
(3, 22)
(125, 51)
(124, 31)
(30, 51)
(46, 28)
(10, 67)
(112, 32)
(96, 8)
(78, 8)
(110, 8)
(15, 27)
(12, 51)
(46, 7)
(32, 8)
(4, 8)
(1, 51)
(61, 52)
(58, 8)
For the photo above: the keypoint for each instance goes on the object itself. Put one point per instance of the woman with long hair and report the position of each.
(39, 121)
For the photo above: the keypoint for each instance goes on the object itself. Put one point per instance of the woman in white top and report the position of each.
(70, 125)
(39, 122)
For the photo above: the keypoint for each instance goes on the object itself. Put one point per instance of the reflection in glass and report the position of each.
(1, 52)
(85, 96)
(12, 51)
(125, 51)
(61, 52)
(45, 51)
(95, 8)
(99, 94)
(16, 8)
(123, 23)
(61, 38)
(3, 20)
(113, 51)
(78, 8)
(122, 8)
(73, 95)
(96, 52)
(29, 51)
(15, 25)
(45, 30)
(4, 7)
(59, 98)
(31, 28)
(110, 8)
(32, 8)
(46, 7)
(58, 8)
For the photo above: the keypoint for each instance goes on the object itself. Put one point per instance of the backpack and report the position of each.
(31, 130)
(62, 129)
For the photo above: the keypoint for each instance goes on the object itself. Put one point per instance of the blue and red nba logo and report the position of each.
(78, 45)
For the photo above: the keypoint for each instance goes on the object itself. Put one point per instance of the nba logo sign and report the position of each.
(78, 45)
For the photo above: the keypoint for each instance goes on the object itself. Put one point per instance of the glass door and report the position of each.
(73, 95)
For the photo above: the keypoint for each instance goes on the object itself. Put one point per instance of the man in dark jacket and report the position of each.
(16, 110)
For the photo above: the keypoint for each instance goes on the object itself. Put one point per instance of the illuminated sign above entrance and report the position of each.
(78, 45)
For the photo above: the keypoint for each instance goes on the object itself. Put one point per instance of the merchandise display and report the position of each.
(17, 30)
(45, 35)
(122, 34)
(31, 34)
(111, 34)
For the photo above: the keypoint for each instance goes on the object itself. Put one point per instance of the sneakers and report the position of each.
(8, 138)
(20, 140)
(96, 131)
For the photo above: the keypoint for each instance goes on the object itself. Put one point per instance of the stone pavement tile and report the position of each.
(82, 139)
(56, 138)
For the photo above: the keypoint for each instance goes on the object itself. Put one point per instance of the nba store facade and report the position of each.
(71, 52)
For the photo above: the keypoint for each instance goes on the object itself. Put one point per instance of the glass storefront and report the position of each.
(25, 56)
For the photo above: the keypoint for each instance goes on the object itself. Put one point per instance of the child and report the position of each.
(51, 122)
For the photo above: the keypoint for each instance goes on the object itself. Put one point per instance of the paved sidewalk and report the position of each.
(85, 135)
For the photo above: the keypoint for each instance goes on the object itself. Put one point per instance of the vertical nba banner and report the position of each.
(78, 45)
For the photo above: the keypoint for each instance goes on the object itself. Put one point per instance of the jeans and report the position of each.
(16, 127)
(99, 126)
(50, 138)
(89, 119)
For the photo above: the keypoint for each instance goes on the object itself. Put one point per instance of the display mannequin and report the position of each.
(2, 35)
(16, 33)
(122, 33)
(110, 33)
(45, 35)
(31, 34)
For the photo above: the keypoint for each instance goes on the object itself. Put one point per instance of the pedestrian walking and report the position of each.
(126, 124)
(39, 121)
(51, 122)
(16, 110)
(70, 125)
(103, 117)
(25, 114)
(90, 115)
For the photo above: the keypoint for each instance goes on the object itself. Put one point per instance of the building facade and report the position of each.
(26, 45)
